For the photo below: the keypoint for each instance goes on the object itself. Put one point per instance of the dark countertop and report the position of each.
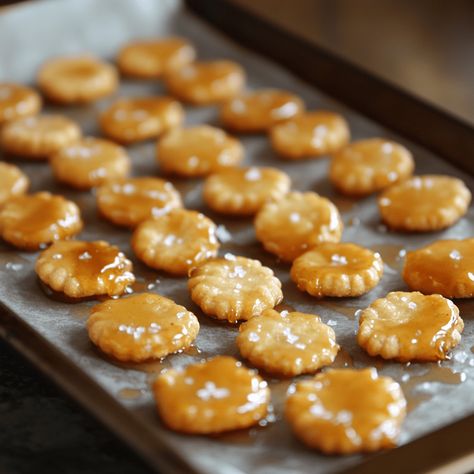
(44, 431)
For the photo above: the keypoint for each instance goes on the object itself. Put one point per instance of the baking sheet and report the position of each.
(437, 394)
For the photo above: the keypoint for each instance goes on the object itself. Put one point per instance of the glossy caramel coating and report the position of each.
(134, 119)
(206, 82)
(131, 201)
(368, 166)
(176, 242)
(310, 135)
(141, 327)
(17, 101)
(38, 137)
(32, 221)
(77, 79)
(345, 411)
(81, 269)
(90, 162)
(286, 343)
(243, 191)
(409, 326)
(198, 151)
(445, 267)
(13, 182)
(212, 396)
(259, 110)
(424, 203)
(298, 221)
(151, 58)
(337, 269)
(234, 288)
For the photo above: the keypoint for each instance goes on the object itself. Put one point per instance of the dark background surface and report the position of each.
(425, 46)
(41, 430)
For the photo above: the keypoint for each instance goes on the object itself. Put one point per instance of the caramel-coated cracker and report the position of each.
(32, 221)
(81, 269)
(243, 191)
(346, 411)
(142, 326)
(212, 396)
(234, 288)
(337, 269)
(298, 221)
(176, 242)
(409, 326)
(287, 343)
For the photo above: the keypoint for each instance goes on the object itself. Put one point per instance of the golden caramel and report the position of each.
(90, 162)
(131, 120)
(176, 242)
(337, 269)
(17, 101)
(38, 137)
(32, 221)
(13, 182)
(198, 151)
(368, 166)
(243, 191)
(234, 288)
(445, 267)
(410, 326)
(297, 222)
(209, 82)
(259, 110)
(424, 203)
(347, 411)
(310, 135)
(77, 79)
(82, 269)
(150, 59)
(213, 396)
(287, 343)
(140, 327)
(131, 201)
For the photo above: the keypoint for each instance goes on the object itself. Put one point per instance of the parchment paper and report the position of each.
(437, 395)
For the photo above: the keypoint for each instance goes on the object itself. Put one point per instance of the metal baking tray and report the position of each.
(440, 424)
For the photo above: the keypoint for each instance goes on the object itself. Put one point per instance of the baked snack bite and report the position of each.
(287, 343)
(258, 110)
(368, 166)
(243, 191)
(424, 203)
(77, 79)
(90, 162)
(198, 151)
(81, 269)
(445, 267)
(130, 201)
(38, 137)
(346, 411)
(310, 135)
(17, 101)
(212, 396)
(337, 269)
(33, 221)
(298, 221)
(409, 326)
(234, 288)
(176, 242)
(206, 82)
(151, 58)
(133, 119)
(141, 327)
(13, 182)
